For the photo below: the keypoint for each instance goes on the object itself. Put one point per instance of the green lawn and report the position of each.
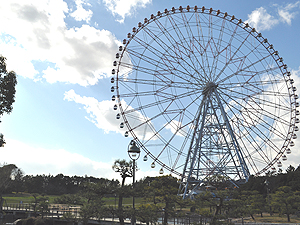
(275, 218)
(24, 197)
(28, 198)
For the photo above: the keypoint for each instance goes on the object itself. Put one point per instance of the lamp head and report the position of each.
(133, 150)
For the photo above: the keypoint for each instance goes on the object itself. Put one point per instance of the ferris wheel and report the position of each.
(204, 94)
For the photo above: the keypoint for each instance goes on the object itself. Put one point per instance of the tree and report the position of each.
(251, 203)
(43, 205)
(2, 141)
(125, 169)
(69, 199)
(286, 201)
(7, 174)
(164, 190)
(216, 201)
(8, 81)
(147, 213)
(93, 206)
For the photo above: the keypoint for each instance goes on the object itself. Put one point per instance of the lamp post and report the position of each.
(134, 154)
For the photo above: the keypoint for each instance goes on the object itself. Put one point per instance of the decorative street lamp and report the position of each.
(134, 153)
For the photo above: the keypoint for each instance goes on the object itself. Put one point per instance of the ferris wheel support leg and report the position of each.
(204, 103)
(234, 141)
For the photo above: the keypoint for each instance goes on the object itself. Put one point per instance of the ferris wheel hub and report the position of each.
(210, 86)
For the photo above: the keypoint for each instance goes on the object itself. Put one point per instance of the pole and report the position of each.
(133, 206)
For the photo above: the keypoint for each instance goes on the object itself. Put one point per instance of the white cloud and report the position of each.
(261, 20)
(285, 14)
(38, 32)
(176, 127)
(17, 58)
(103, 115)
(123, 8)
(36, 160)
(81, 14)
(100, 113)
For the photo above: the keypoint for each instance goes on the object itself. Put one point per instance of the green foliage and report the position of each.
(7, 174)
(8, 81)
(69, 199)
(35, 221)
(147, 213)
(124, 168)
(163, 190)
(246, 203)
(93, 204)
(41, 205)
(160, 195)
(69, 216)
(285, 201)
(94, 208)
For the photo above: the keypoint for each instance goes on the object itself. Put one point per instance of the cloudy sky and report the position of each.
(62, 52)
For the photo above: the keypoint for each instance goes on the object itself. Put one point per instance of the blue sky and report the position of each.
(62, 51)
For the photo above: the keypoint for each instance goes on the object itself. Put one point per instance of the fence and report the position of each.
(59, 211)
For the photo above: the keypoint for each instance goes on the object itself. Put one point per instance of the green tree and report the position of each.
(214, 200)
(8, 81)
(147, 213)
(93, 206)
(286, 201)
(69, 199)
(7, 174)
(125, 169)
(43, 205)
(2, 141)
(163, 190)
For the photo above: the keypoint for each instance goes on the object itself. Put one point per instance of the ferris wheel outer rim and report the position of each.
(251, 31)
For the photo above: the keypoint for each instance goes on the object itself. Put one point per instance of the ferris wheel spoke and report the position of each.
(154, 104)
(187, 46)
(176, 52)
(226, 49)
(166, 112)
(251, 84)
(248, 66)
(218, 45)
(250, 140)
(160, 64)
(159, 83)
(200, 41)
(254, 112)
(254, 94)
(250, 109)
(231, 58)
(190, 42)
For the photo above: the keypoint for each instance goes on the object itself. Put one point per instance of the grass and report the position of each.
(25, 198)
(126, 201)
(275, 218)
(28, 198)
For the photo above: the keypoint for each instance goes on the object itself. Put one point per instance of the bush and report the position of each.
(28, 221)
(35, 221)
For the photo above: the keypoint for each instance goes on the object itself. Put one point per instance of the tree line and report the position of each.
(218, 200)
